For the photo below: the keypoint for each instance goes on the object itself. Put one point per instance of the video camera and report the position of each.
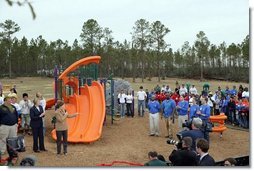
(206, 127)
(178, 143)
(187, 124)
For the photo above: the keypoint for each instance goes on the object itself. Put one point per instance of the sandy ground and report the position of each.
(127, 139)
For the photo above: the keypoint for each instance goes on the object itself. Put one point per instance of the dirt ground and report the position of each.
(127, 139)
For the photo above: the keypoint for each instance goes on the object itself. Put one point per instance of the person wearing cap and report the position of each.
(154, 109)
(14, 99)
(195, 132)
(168, 108)
(8, 122)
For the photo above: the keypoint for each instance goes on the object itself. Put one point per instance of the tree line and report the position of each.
(146, 55)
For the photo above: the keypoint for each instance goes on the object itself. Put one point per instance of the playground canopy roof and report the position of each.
(81, 62)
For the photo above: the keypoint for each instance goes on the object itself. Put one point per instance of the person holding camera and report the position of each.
(184, 156)
(61, 126)
(195, 132)
(168, 108)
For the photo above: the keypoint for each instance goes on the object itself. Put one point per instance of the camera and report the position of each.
(177, 143)
(206, 127)
(187, 124)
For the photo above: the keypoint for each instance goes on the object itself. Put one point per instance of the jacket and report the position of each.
(36, 120)
(7, 116)
(207, 160)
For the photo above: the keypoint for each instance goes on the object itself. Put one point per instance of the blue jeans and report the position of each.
(141, 103)
(206, 133)
(243, 121)
(231, 116)
(122, 112)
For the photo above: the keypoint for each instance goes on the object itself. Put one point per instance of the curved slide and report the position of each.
(90, 104)
(87, 126)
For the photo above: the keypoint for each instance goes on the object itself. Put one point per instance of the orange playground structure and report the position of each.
(86, 99)
(219, 122)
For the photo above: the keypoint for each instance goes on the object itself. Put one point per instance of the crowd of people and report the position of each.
(193, 108)
(188, 103)
(28, 116)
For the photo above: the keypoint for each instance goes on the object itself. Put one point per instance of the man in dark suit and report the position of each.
(202, 147)
(36, 114)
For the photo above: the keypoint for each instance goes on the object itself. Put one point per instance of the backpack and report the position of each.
(14, 145)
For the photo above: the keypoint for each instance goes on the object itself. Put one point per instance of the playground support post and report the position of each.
(112, 100)
(56, 82)
(133, 102)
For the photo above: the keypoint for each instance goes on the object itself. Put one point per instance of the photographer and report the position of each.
(184, 156)
(195, 132)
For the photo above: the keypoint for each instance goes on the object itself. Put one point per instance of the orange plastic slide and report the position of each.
(87, 126)
(50, 103)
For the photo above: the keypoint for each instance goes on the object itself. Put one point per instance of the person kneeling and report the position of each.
(184, 156)
(154, 161)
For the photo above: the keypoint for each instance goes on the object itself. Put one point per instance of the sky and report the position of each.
(221, 20)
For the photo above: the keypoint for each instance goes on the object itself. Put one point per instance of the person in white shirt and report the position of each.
(122, 101)
(163, 88)
(183, 90)
(246, 93)
(25, 105)
(168, 89)
(1, 97)
(193, 90)
(129, 99)
(192, 97)
(141, 94)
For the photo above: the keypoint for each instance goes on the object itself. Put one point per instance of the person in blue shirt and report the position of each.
(204, 111)
(182, 110)
(168, 107)
(193, 110)
(204, 114)
(227, 91)
(154, 109)
(233, 92)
